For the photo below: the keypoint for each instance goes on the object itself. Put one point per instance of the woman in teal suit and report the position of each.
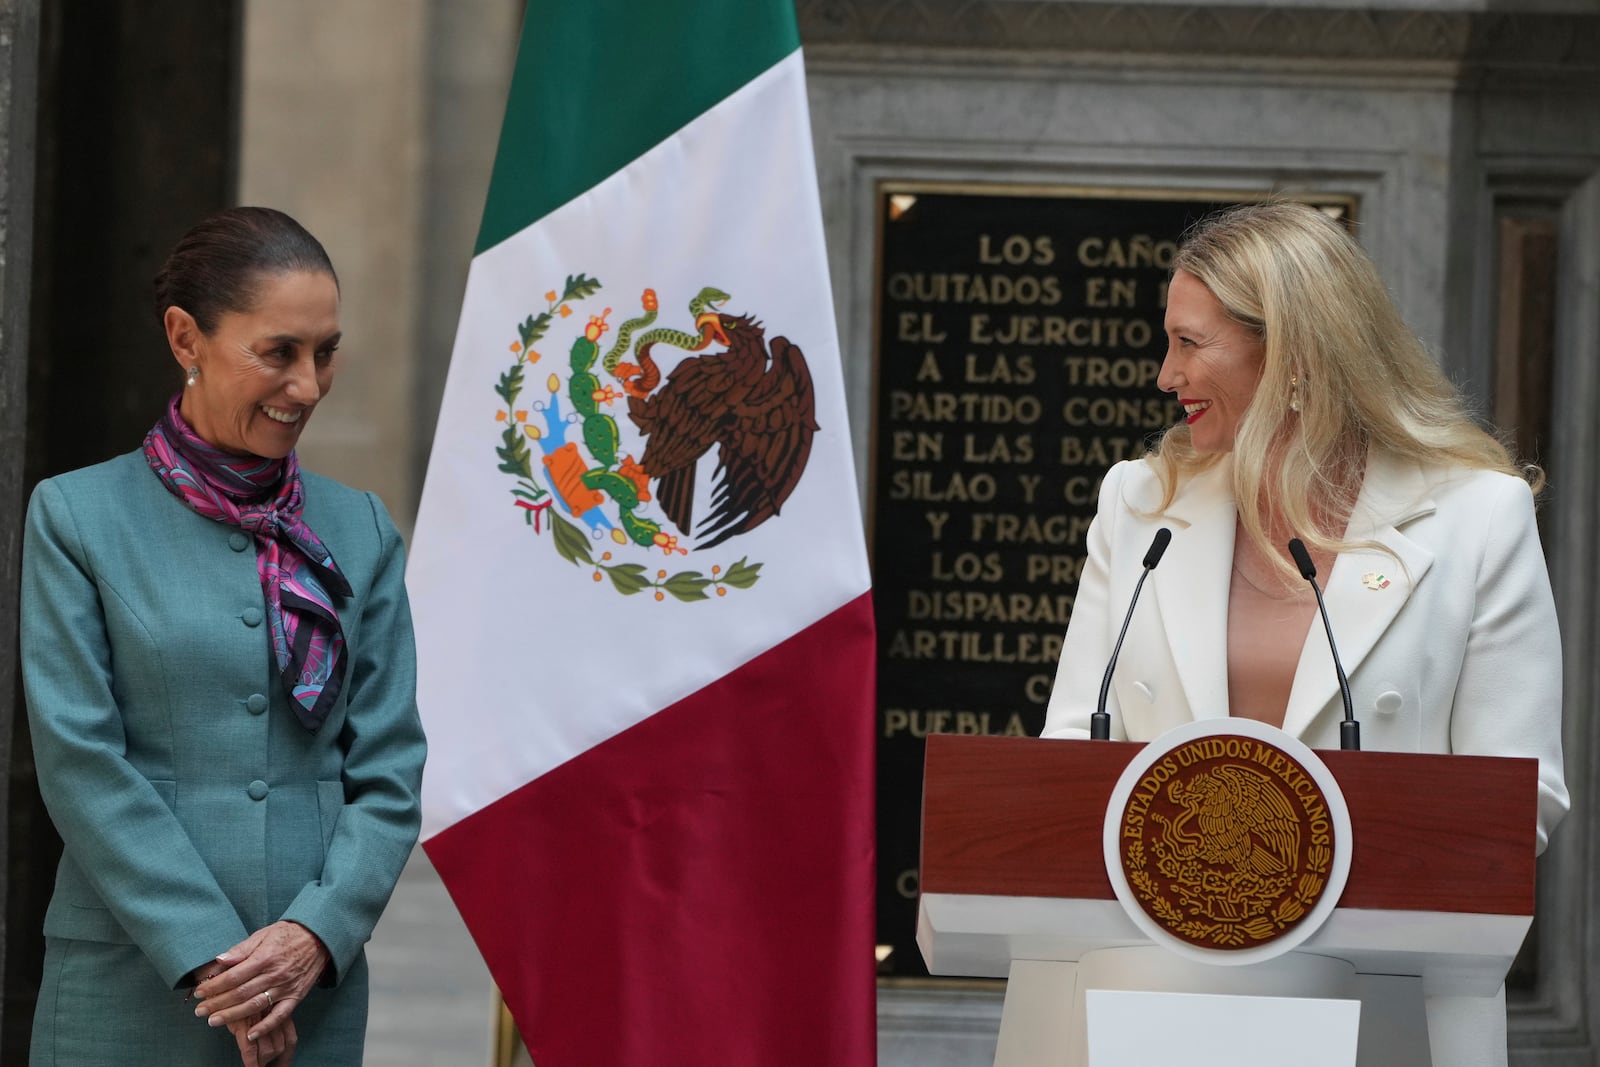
(219, 668)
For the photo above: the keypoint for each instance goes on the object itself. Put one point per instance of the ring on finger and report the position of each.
(268, 997)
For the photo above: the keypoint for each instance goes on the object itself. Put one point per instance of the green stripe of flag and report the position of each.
(600, 82)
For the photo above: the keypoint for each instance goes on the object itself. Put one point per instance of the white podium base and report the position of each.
(1468, 1031)
(1137, 1029)
(1044, 1020)
(1043, 1023)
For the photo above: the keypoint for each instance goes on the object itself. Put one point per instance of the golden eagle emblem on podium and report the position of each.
(1226, 842)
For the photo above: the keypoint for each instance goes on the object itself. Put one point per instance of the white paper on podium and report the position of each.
(1137, 1029)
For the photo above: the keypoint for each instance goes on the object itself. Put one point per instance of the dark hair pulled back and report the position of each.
(216, 267)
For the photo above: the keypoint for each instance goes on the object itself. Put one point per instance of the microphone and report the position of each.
(1100, 721)
(1350, 729)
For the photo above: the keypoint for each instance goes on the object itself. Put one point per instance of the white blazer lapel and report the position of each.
(1191, 585)
(1367, 587)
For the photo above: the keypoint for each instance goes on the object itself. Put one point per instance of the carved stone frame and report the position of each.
(1553, 1025)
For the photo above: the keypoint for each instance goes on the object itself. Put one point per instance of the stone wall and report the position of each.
(374, 122)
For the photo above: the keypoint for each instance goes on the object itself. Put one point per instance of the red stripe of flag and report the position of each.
(696, 891)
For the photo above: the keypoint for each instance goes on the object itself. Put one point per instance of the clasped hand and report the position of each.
(254, 987)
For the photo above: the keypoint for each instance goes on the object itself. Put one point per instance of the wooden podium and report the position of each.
(1013, 876)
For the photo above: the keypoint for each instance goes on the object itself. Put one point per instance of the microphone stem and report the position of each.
(1100, 721)
(1349, 729)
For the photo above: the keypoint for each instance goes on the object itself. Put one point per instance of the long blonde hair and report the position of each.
(1334, 340)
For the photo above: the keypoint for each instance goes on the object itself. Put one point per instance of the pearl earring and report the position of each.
(1294, 392)
(193, 376)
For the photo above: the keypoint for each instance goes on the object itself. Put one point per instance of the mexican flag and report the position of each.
(638, 575)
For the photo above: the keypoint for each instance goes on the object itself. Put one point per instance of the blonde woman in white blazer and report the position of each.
(1313, 411)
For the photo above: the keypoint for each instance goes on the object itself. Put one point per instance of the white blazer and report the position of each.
(1458, 653)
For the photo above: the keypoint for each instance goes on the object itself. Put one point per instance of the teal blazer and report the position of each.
(194, 807)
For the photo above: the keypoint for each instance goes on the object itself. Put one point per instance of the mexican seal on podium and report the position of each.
(1228, 840)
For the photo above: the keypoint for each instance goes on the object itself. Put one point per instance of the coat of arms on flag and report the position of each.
(627, 486)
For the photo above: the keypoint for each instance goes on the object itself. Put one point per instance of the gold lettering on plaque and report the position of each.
(939, 486)
(1137, 250)
(908, 406)
(1100, 292)
(916, 722)
(917, 446)
(997, 368)
(1016, 250)
(976, 605)
(1057, 331)
(975, 646)
(918, 326)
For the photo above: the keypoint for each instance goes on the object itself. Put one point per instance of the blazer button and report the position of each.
(257, 790)
(255, 703)
(1388, 703)
(251, 616)
(238, 541)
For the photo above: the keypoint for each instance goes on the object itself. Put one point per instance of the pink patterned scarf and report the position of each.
(263, 497)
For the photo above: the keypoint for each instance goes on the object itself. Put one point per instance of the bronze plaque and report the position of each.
(1018, 339)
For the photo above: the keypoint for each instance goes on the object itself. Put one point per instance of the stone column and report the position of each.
(374, 122)
(333, 109)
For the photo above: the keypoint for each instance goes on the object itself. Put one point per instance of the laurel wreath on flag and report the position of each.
(537, 502)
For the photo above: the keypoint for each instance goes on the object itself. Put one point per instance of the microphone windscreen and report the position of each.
(1302, 559)
(1157, 547)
